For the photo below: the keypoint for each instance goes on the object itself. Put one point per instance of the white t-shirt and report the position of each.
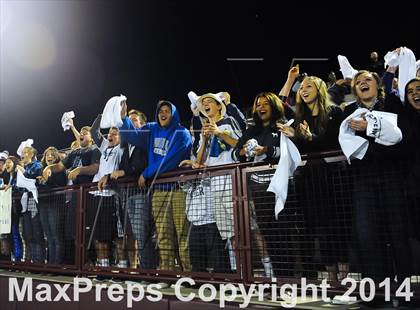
(110, 159)
(219, 152)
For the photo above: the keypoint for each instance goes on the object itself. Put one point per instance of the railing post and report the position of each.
(79, 237)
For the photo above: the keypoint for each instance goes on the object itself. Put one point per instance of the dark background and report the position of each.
(163, 49)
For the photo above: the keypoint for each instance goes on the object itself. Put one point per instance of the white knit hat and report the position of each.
(4, 155)
(24, 144)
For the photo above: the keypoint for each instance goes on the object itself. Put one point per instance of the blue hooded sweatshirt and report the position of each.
(166, 147)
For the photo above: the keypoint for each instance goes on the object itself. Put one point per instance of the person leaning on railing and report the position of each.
(378, 199)
(12, 243)
(315, 129)
(267, 111)
(4, 180)
(410, 126)
(33, 235)
(133, 163)
(105, 215)
(212, 218)
(167, 143)
(52, 207)
(81, 165)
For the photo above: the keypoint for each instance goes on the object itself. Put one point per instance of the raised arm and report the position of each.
(95, 131)
(76, 133)
(135, 136)
(291, 78)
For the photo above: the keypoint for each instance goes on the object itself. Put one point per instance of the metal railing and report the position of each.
(218, 224)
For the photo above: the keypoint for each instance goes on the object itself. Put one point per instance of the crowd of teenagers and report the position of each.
(166, 227)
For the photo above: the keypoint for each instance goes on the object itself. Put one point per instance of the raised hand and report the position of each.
(123, 109)
(293, 73)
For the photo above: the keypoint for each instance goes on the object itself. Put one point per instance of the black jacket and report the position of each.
(133, 164)
(267, 136)
(321, 141)
(58, 179)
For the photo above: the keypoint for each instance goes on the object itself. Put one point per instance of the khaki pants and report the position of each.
(172, 227)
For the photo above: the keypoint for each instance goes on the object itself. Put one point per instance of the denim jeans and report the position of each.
(142, 226)
(52, 224)
(34, 236)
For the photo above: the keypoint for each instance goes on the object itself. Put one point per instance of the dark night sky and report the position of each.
(163, 49)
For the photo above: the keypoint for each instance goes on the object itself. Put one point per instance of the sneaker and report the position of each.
(116, 280)
(180, 285)
(141, 283)
(162, 285)
(100, 278)
(268, 269)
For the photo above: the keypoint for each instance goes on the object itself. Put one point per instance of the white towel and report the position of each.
(24, 144)
(391, 59)
(111, 116)
(406, 63)
(65, 120)
(5, 211)
(193, 99)
(381, 125)
(345, 67)
(29, 184)
(352, 146)
(288, 162)
(406, 70)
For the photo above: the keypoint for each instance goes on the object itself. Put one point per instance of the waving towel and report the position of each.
(406, 62)
(345, 67)
(391, 59)
(111, 116)
(65, 120)
(381, 125)
(193, 99)
(24, 144)
(289, 161)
